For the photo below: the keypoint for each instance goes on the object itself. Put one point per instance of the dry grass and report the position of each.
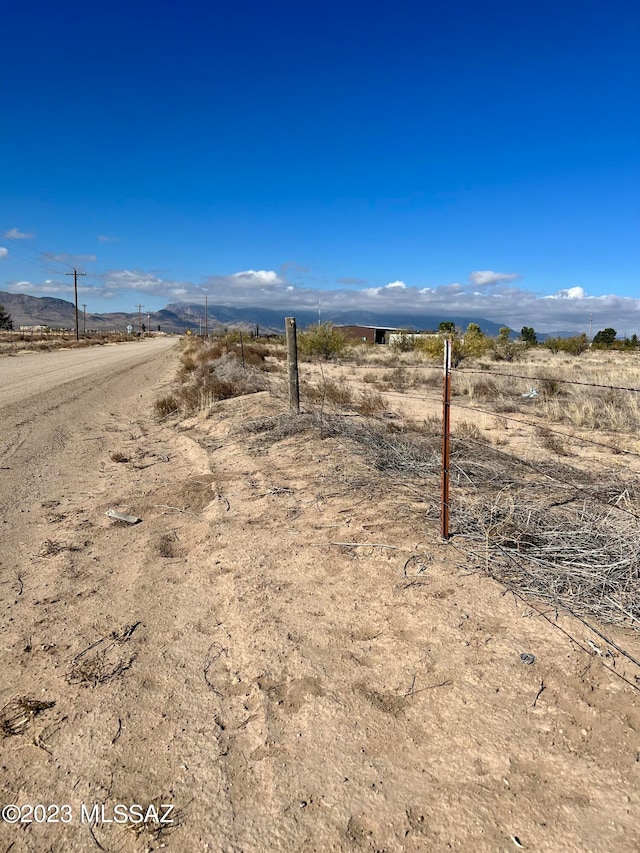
(101, 661)
(371, 403)
(51, 547)
(581, 556)
(18, 712)
(327, 391)
(567, 534)
(12, 343)
(560, 402)
(552, 531)
(552, 441)
(213, 370)
(152, 832)
(98, 669)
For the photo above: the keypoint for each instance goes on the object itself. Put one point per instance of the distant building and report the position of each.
(34, 328)
(366, 334)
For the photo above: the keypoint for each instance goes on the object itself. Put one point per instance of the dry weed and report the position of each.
(166, 545)
(370, 403)
(18, 712)
(578, 555)
(553, 441)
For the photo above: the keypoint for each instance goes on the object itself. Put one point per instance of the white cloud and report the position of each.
(3, 252)
(47, 288)
(258, 278)
(138, 280)
(399, 284)
(569, 293)
(487, 278)
(14, 234)
(64, 258)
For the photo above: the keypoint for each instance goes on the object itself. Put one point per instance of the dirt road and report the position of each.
(230, 656)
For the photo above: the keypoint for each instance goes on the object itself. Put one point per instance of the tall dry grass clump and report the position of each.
(212, 370)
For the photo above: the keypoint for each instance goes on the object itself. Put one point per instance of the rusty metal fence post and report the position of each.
(446, 416)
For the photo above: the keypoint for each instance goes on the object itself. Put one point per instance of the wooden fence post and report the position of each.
(292, 364)
(446, 414)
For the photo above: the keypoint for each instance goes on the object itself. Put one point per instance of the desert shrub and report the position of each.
(5, 319)
(404, 343)
(396, 379)
(572, 346)
(472, 344)
(323, 341)
(552, 441)
(166, 405)
(605, 337)
(485, 389)
(507, 350)
(370, 379)
(467, 430)
(327, 391)
(370, 403)
(550, 387)
(208, 381)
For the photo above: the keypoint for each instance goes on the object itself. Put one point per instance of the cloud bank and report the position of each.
(486, 294)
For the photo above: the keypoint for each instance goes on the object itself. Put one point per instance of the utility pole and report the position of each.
(206, 324)
(140, 307)
(590, 326)
(75, 275)
(84, 318)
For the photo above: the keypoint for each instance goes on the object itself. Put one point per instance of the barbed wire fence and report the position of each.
(563, 534)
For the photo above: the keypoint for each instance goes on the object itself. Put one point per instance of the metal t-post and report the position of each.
(446, 414)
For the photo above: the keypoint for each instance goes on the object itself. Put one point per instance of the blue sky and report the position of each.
(452, 157)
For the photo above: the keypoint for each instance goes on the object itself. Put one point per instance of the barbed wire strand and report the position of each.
(592, 495)
(490, 373)
(615, 450)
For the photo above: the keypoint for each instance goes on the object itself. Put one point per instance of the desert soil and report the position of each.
(231, 656)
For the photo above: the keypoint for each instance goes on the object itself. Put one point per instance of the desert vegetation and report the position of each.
(539, 499)
(13, 342)
(218, 369)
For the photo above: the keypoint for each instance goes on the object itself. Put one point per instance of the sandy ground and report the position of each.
(231, 656)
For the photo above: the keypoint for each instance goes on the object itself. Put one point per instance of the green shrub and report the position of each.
(322, 340)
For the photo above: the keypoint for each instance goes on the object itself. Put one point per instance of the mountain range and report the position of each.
(178, 317)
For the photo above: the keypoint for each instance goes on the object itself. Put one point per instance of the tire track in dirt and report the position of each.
(284, 693)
